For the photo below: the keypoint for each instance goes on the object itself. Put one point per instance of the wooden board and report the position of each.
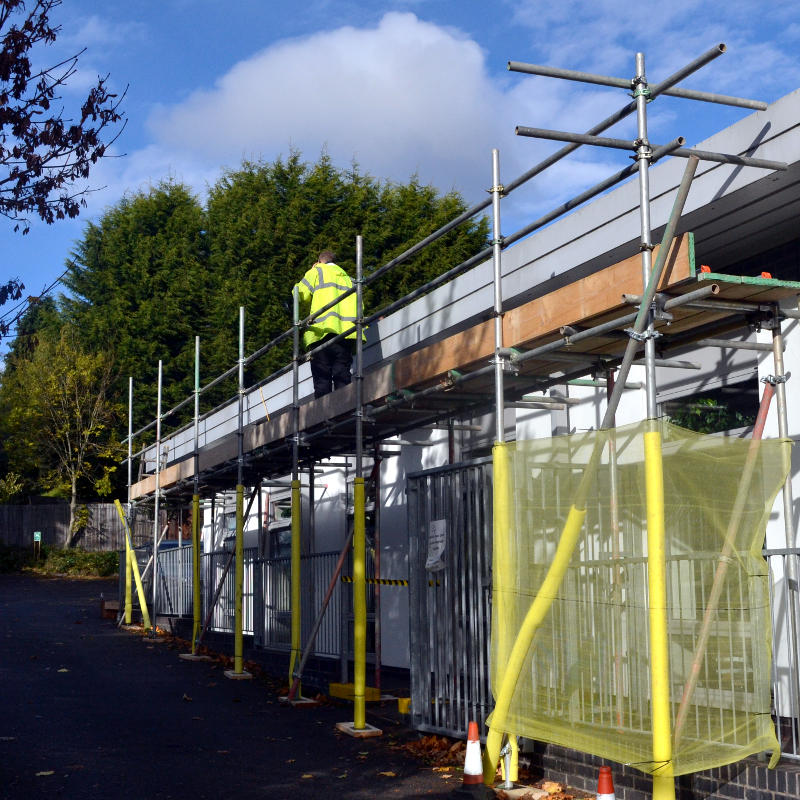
(595, 294)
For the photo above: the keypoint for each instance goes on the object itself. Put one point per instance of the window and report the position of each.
(720, 409)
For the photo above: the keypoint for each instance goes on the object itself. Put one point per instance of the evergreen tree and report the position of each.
(139, 289)
(158, 268)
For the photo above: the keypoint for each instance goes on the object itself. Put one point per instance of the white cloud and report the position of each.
(404, 97)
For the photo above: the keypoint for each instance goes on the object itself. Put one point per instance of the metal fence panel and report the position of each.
(316, 571)
(218, 568)
(450, 606)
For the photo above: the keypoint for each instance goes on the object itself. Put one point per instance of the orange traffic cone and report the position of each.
(472, 785)
(605, 785)
(473, 767)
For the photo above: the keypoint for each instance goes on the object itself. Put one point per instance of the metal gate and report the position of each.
(450, 546)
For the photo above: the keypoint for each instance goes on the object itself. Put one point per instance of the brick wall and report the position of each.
(746, 780)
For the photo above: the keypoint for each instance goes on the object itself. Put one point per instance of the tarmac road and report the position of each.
(89, 711)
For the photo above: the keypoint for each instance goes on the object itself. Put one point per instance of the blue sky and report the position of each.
(401, 86)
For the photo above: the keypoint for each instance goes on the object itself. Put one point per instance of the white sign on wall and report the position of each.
(437, 538)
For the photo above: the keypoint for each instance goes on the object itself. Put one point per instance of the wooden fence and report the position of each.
(103, 532)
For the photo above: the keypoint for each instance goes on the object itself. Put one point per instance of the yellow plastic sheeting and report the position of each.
(585, 680)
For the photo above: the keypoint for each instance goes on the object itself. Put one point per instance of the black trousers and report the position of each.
(330, 368)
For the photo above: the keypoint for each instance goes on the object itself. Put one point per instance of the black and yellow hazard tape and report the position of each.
(381, 581)
(385, 581)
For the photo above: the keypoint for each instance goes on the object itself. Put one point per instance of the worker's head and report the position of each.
(327, 257)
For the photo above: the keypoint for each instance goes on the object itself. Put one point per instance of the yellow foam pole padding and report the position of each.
(295, 592)
(128, 582)
(238, 641)
(135, 566)
(536, 613)
(663, 781)
(359, 606)
(502, 504)
(197, 600)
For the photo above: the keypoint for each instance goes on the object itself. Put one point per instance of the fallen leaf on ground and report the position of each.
(63, 669)
(307, 775)
(45, 772)
(388, 774)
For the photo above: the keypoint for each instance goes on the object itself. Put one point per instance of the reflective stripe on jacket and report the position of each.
(321, 285)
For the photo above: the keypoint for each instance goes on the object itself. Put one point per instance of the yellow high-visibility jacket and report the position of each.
(322, 284)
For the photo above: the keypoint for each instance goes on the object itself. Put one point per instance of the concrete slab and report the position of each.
(367, 732)
(299, 701)
(193, 657)
(519, 792)
(238, 676)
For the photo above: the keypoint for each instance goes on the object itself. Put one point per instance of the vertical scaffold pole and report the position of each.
(376, 539)
(791, 569)
(128, 549)
(157, 499)
(294, 659)
(359, 523)
(196, 597)
(501, 455)
(497, 251)
(128, 613)
(359, 725)
(238, 621)
(663, 780)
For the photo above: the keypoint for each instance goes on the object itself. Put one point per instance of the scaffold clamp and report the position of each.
(773, 380)
(644, 335)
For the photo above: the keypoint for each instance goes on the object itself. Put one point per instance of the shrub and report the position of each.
(73, 562)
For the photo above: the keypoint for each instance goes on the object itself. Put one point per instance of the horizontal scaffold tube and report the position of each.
(622, 83)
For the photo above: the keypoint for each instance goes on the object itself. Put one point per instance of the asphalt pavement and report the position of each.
(91, 711)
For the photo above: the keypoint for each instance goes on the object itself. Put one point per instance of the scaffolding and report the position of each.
(530, 346)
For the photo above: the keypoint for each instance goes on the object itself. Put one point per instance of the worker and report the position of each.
(322, 284)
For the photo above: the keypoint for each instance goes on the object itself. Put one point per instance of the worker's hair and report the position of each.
(327, 257)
